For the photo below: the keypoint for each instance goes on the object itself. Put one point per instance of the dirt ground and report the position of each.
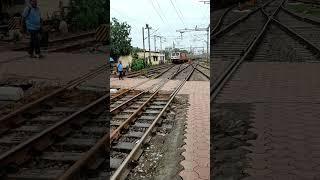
(161, 159)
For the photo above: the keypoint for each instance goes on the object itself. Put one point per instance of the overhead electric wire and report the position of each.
(156, 11)
(177, 13)
(179, 10)
(163, 14)
(161, 11)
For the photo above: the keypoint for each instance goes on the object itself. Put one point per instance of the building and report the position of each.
(156, 58)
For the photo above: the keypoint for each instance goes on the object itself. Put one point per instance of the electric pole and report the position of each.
(208, 41)
(148, 27)
(144, 49)
(160, 43)
(155, 43)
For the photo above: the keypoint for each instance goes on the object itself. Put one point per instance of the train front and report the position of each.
(175, 57)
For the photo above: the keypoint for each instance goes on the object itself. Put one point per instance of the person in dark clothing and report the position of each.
(120, 70)
(32, 18)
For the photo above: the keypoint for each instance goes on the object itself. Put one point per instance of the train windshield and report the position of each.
(175, 54)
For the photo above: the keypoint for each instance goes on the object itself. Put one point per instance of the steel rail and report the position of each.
(116, 133)
(59, 40)
(180, 70)
(119, 175)
(310, 45)
(40, 141)
(204, 66)
(221, 81)
(116, 109)
(236, 22)
(219, 24)
(142, 71)
(202, 73)
(99, 149)
(120, 94)
(139, 84)
(299, 17)
(158, 75)
(6, 120)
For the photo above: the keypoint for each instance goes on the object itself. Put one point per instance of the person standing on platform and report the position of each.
(32, 20)
(120, 70)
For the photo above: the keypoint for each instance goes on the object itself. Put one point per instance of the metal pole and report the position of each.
(155, 43)
(144, 49)
(160, 43)
(149, 42)
(208, 39)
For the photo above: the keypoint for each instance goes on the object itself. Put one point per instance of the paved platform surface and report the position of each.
(197, 155)
(54, 67)
(285, 99)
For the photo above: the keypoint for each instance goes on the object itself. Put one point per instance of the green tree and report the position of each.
(120, 40)
(88, 14)
(136, 50)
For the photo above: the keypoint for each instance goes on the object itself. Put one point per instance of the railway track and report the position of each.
(231, 42)
(204, 73)
(232, 15)
(134, 117)
(307, 28)
(251, 89)
(151, 72)
(230, 18)
(125, 95)
(37, 125)
(69, 43)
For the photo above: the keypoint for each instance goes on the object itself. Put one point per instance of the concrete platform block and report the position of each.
(11, 93)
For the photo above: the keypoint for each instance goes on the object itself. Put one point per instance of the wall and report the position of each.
(155, 57)
(125, 60)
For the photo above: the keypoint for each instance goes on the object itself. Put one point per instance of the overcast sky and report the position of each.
(165, 16)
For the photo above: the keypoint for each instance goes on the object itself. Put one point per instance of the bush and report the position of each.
(138, 64)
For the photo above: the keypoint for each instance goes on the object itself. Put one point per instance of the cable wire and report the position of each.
(177, 13)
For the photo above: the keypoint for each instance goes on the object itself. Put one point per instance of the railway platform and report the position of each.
(197, 155)
(196, 146)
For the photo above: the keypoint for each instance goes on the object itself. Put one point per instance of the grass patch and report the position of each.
(307, 9)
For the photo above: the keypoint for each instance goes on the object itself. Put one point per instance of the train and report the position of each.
(179, 57)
